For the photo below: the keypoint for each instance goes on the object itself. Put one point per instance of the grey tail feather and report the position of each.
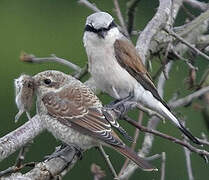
(117, 126)
(124, 133)
(129, 153)
(189, 135)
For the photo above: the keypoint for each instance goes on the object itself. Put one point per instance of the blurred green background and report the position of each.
(56, 27)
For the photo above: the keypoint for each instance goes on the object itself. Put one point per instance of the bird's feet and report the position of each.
(66, 152)
(121, 106)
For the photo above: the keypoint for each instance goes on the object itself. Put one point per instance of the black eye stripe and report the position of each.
(112, 25)
(92, 29)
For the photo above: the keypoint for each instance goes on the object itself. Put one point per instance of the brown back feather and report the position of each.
(129, 59)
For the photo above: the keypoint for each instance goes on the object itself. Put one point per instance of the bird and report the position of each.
(24, 91)
(74, 115)
(117, 68)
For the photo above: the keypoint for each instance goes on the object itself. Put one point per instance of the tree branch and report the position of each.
(163, 166)
(188, 162)
(202, 153)
(32, 59)
(197, 4)
(48, 169)
(120, 17)
(131, 6)
(89, 5)
(19, 137)
(108, 162)
(155, 25)
(189, 98)
(172, 33)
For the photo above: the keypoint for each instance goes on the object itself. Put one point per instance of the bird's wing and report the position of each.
(129, 59)
(71, 108)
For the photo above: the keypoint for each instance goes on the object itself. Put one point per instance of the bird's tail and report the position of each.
(129, 153)
(166, 113)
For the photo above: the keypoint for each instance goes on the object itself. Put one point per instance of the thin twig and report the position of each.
(152, 158)
(197, 4)
(202, 153)
(21, 156)
(107, 160)
(172, 33)
(189, 98)
(186, 29)
(161, 68)
(14, 169)
(133, 145)
(204, 78)
(131, 8)
(166, 60)
(163, 166)
(82, 73)
(187, 12)
(89, 5)
(185, 60)
(203, 141)
(120, 17)
(32, 59)
(188, 162)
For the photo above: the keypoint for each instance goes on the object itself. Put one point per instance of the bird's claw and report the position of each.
(66, 152)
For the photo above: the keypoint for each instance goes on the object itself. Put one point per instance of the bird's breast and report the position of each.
(108, 74)
(67, 134)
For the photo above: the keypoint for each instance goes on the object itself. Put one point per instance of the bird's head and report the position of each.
(48, 81)
(101, 26)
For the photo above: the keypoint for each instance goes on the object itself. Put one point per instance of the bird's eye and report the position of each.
(47, 81)
(112, 25)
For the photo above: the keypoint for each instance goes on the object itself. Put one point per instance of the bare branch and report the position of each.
(189, 98)
(197, 4)
(163, 166)
(204, 140)
(50, 168)
(82, 73)
(188, 162)
(107, 160)
(21, 155)
(32, 59)
(202, 153)
(172, 33)
(91, 6)
(192, 25)
(185, 60)
(162, 79)
(120, 17)
(131, 6)
(157, 22)
(15, 169)
(19, 137)
(136, 135)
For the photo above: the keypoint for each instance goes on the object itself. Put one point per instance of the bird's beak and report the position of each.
(102, 34)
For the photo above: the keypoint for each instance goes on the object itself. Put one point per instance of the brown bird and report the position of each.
(73, 113)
